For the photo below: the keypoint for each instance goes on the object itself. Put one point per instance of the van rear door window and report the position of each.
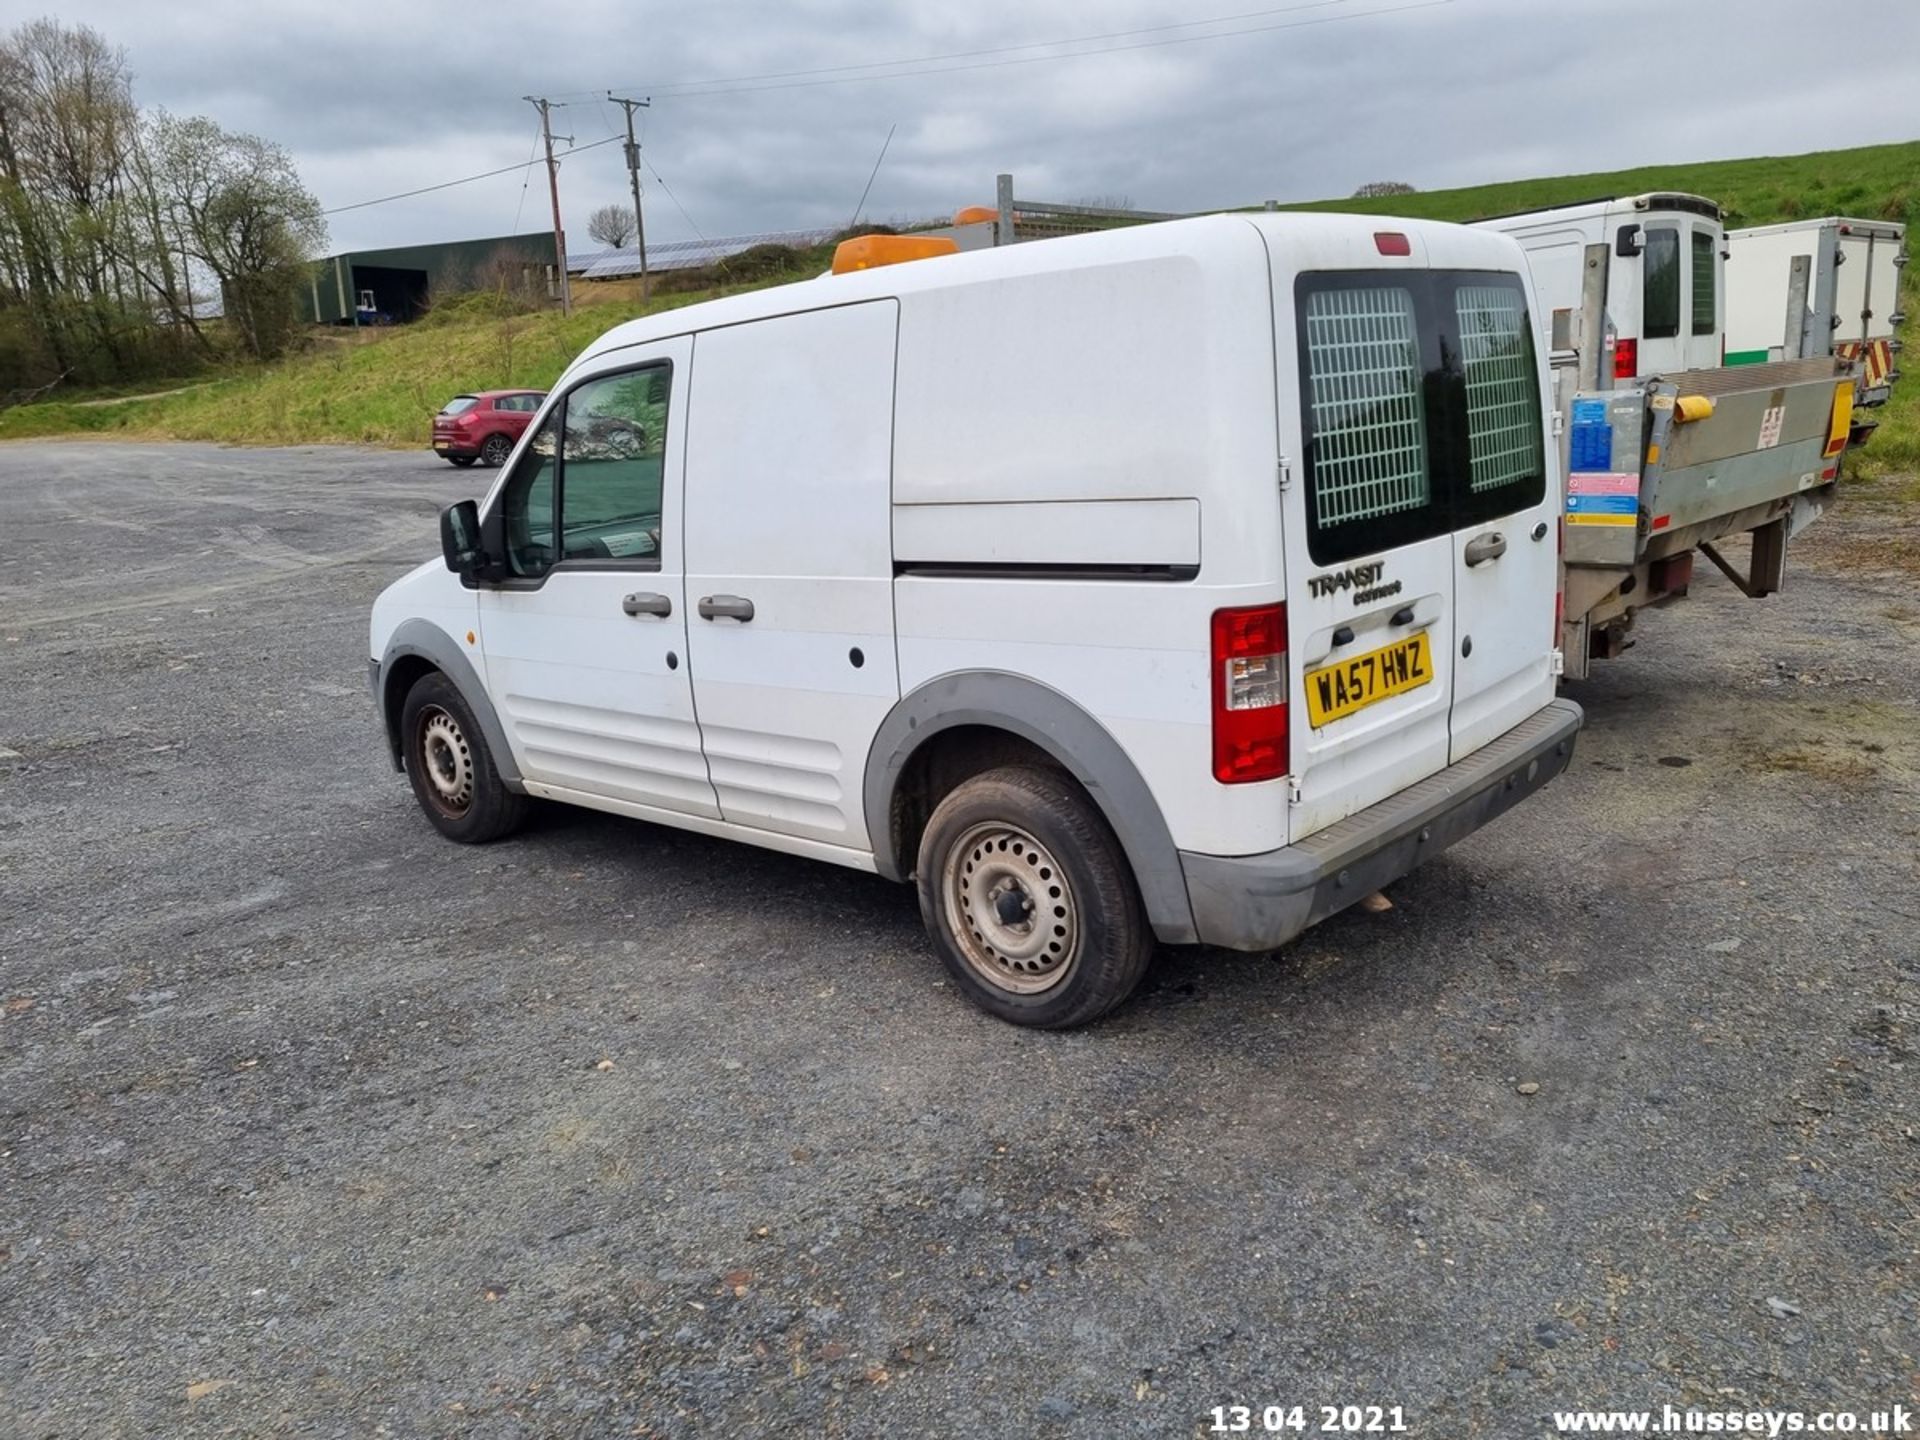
(1660, 286)
(1369, 476)
(1705, 243)
(1421, 406)
(1368, 417)
(1506, 452)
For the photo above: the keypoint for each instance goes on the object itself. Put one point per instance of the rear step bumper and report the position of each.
(1258, 902)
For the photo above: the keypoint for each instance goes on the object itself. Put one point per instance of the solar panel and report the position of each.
(691, 254)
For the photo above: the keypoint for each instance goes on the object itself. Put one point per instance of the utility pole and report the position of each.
(553, 188)
(633, 174)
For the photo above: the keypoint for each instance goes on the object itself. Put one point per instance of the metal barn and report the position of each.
(393, 286)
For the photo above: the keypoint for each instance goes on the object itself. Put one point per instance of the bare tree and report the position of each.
(1376, 189)
(110, 222)
(612, 226)
(244, 215)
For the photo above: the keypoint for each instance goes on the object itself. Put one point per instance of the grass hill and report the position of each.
(380, 387)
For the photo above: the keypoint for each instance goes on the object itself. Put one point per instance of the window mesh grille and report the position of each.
(1369, 426)
(1503, 418)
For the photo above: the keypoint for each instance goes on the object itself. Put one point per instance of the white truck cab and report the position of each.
(1663, 286)
(1185, 582)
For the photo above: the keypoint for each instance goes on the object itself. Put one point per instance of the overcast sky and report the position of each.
(1307, 101)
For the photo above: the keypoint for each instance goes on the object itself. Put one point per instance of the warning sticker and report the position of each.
(1770, 426)
(1627, 504)
(1610, 482)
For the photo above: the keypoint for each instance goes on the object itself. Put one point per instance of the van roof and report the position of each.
(1330, 234)
(1602, 204)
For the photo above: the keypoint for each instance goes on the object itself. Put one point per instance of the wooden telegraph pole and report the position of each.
(633, 175)
(553, 189)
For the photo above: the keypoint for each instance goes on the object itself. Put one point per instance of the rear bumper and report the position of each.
(450, 447)
(1258, 902)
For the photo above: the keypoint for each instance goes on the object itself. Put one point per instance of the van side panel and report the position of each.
(1146, 380)
(788, 440)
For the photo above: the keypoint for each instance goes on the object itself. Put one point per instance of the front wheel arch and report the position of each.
(417, 647)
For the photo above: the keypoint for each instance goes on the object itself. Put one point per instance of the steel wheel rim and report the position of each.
(446, 760)
(1010, 909)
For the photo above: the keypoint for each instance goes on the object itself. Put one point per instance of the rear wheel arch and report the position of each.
(964, 724)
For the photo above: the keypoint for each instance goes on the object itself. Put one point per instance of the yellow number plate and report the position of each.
(1338, 690)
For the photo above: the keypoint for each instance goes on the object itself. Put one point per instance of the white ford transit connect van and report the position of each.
(1188, 581)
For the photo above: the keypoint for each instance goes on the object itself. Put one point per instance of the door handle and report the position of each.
(1482, 548)
(645, 602)
(726, 607)
(1402, 616)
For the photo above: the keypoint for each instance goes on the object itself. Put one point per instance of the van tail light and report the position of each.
(1392, 242)
(1249, 694)
(1626, 359)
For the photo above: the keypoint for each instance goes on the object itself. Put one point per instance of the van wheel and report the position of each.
(449, 767)
(1029, 899)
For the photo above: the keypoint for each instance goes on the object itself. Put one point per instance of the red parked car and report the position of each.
(483, 426)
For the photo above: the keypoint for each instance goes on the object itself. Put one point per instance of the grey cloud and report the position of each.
(378, 99)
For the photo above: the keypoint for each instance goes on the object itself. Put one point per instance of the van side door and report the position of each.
(586, 633)
(790, 564)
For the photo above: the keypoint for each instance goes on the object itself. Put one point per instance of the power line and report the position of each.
(676, 202)
(884, 144)
(1075, 55)
(994, 50)
(525, 180)
(469, 179)
(932, 64)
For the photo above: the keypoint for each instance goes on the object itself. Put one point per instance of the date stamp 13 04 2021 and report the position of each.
(1308, 1420)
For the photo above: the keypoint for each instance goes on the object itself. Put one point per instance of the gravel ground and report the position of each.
(312, 1123)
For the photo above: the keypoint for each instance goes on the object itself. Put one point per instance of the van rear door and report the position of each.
(1369, 544)
(1425, 526)
(1676, 280)
(1506, 508)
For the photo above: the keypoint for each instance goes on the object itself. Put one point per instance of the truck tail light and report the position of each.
(1249, 694)
(1392, 242)
(1839, 419)
(1626, 359)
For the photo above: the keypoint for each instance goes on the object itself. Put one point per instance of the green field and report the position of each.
(382, 389)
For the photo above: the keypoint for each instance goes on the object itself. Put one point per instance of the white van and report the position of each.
(1188, 581)
(1662, 290)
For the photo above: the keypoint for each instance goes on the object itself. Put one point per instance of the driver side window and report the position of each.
(527, 506)
(592, 474)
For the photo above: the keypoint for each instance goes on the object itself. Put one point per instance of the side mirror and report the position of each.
(460, 538)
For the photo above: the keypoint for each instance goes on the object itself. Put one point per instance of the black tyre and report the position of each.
(1030, 901)
(463, 461)
(494, 451)
(449, 767)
